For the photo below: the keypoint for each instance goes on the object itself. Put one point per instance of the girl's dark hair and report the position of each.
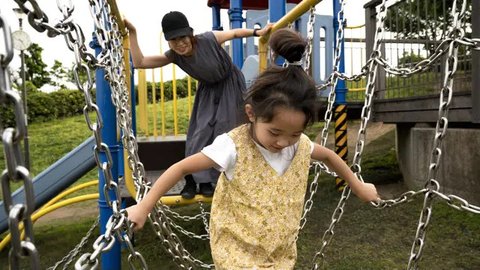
(289, 86)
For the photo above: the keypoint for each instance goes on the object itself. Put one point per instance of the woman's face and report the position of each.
(181, 45)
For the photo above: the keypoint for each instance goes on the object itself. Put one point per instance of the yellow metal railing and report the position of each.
(143, 104)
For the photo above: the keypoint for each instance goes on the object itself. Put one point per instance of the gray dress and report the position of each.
(219, 99)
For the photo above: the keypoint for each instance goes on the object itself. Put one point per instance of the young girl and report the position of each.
(258, 203)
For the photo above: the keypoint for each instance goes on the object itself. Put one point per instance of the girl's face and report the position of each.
(284, 130)
(181, 45)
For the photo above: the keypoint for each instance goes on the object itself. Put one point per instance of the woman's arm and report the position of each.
(140, 61)
(365, 191)
(138, 213)
(223, 36)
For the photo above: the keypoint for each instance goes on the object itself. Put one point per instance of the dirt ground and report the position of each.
(374, 130)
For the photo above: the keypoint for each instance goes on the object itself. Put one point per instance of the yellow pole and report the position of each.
(178, 200)
(290, 17)
(174, 94)
(162, 91)
(68, 192)
(47, 210)
(189, 95)
(162, 101)
(142, 97)
(154, 104)
(127, 172)
(341, 137)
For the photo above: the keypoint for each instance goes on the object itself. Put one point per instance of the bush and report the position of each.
(63, 103)
(182, 90)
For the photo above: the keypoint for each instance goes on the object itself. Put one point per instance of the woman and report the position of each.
(221, 85)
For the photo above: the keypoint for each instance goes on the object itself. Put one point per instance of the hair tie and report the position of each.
(295, 63)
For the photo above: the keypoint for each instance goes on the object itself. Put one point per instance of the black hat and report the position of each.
(175, 24)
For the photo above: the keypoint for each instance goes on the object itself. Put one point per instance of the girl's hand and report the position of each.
(265, 30)
(137, 215)
(367, 192)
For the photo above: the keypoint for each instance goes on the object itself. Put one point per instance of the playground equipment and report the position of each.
(117, 227)
(55, 178)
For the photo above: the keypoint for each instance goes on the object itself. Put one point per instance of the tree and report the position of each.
(424, 20)
(409, 59)
(81, 73)
(59, 75)
(35, 69)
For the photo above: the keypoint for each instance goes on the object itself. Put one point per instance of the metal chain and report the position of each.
(176, 215)
(420, 66)
(188, 233)
(76, 42)
(111, 43)
(440, 131)
(313, 189)
(15, 165)
(67, 260)
(365, 116)
(310, 34)
(204, 218)
(332, 82)
(458, 203)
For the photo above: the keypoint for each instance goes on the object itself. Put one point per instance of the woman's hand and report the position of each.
(265, 30)
(131, 28)
(137, 215)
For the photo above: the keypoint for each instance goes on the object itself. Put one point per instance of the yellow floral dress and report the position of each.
(255, 216)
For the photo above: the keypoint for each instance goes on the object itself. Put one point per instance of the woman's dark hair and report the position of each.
(290, 87)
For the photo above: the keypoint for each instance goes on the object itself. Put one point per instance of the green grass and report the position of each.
(365, 238)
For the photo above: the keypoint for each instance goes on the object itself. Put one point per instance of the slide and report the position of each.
(55, 178)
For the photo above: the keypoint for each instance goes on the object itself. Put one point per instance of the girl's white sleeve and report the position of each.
(222, 151)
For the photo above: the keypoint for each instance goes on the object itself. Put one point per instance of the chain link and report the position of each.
(310, 33)
(19, 213)
(440, 131)
(365, 116)
(67, 260)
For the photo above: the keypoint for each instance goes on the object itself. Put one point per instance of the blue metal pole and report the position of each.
(277, 9)
(340, 115)
(236, 20)
(110, 260)
(216, 20)
(341, 88)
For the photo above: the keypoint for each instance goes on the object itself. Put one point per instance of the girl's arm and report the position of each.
(365, 191)
(223, 36)
(138, 213)
(140, 61)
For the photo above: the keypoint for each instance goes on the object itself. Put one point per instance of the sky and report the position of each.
(146, 15)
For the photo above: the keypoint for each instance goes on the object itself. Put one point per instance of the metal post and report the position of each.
(20, 14)
(25, 110)
(475, 64)
(216, 22)
(110, 260)
(236, 20)
(277, 10)
(340, 115)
